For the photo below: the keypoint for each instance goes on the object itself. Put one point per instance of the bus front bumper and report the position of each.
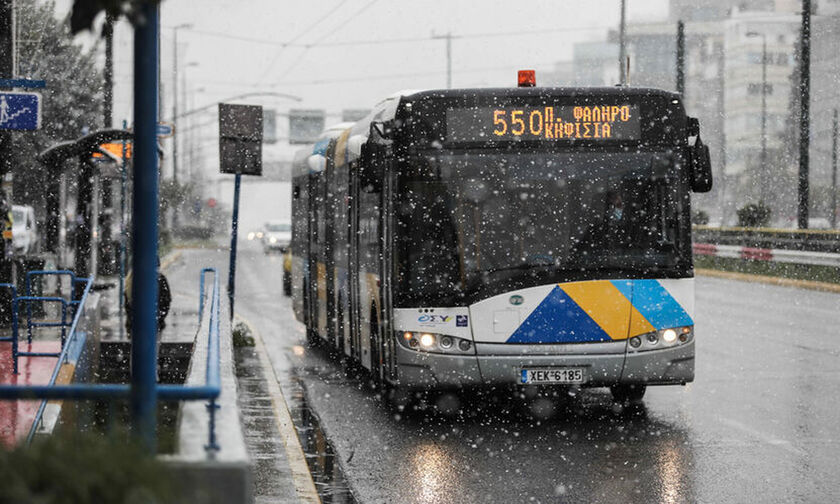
(669, 366)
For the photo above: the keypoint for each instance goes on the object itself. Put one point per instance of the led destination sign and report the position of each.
(564, 122)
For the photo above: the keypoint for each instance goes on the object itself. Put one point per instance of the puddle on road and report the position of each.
(263, 438)
(319, 452)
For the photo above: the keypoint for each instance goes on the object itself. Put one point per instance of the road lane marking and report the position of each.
(770, 440)
(301, 476)
(169, 259)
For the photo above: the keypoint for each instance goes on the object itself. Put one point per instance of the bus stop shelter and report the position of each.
(55, 159)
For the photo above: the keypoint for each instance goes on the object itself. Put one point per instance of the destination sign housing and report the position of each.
(528, 123)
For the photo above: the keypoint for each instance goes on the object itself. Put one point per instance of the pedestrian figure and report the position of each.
(164, 301)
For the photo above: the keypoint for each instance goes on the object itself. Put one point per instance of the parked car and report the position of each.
(277, 236)
(24, 229)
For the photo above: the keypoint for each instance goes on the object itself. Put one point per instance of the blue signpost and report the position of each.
(20, 111)
(165, 129)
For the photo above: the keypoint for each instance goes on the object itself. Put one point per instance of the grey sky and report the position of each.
(531, 34)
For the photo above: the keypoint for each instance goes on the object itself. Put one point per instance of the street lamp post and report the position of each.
(763, 172)
(184, 93)
(175, 98)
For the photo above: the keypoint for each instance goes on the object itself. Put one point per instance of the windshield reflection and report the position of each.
(464, 216)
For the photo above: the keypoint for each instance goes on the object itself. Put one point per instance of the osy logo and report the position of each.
(516, 299)
(434, 319)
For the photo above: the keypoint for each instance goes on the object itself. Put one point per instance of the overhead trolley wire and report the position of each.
(329, 33)
(403, 40)
(301, 34)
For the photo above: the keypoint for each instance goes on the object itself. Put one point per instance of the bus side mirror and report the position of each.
(701, 167)
(371, 159)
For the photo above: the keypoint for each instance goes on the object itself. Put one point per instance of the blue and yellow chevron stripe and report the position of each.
(601, 310)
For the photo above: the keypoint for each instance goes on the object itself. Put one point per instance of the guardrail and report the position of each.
(766, 254)
(62, 356)
(209, 391)
(812, 240)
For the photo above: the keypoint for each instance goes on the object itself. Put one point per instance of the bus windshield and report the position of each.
(478, 222)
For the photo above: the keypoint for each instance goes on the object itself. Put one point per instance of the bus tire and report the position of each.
(287, 283)
(628, 393)
(312, 338)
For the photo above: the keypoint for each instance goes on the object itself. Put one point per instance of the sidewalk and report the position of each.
(270, 436)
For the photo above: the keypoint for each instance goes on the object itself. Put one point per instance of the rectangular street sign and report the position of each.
(165, 130)
(115, 148)
(20, 111)
(240, 139)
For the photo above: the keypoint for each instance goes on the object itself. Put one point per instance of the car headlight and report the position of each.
(435, 343)
(260, 234)
(272, 239)
(663, 338)
(251, 235)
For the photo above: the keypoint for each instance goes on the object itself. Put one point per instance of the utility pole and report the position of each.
(106, 252)
(108, 32)
(804, 116)
(835, 131)
(622, 45)
(681, 59)
(762, 171)
(448, 38)
(175, 134)
(145, 228)
(7, 70)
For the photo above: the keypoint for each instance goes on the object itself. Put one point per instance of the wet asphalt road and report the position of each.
(761, 422)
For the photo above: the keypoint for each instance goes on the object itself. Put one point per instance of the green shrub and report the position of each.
(700, 217)
(73, 468)
(754, 215)
(242, 336)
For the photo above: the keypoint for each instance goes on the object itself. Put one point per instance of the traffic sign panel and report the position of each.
(165, 129)
(20, 111)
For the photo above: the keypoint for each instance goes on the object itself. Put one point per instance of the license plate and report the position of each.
(552, 375)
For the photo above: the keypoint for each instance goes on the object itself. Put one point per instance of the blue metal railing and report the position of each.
(62, 356)
(209, 391)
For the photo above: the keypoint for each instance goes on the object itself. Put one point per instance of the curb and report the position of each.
(301, 476)
(169, 259)
(770, 280)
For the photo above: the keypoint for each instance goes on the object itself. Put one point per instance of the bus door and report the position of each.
(328, 216)
(300, 246)
(353, 263)
(387, 225)
(317, 294)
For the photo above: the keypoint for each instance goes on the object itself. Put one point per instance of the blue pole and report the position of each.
(144, 288)
(234, 231)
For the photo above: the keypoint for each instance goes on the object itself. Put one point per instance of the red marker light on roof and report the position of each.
(527, 78)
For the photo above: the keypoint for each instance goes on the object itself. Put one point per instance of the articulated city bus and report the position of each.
(523, 236)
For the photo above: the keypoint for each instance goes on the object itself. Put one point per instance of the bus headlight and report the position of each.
(435, 343)
(427, 340)
(663, 338)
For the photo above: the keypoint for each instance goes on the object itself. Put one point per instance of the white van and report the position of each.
(24, 229)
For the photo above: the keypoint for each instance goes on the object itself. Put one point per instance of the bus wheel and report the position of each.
(312, 338)
(628, 393)
(287, 283)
